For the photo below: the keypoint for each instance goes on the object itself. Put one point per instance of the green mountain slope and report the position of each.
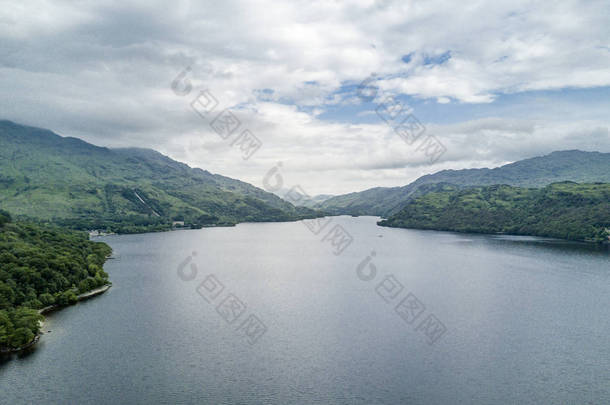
(540, 171)
(563, 210)
(66, 180)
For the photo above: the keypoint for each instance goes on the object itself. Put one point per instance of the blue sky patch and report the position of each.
(437, 59)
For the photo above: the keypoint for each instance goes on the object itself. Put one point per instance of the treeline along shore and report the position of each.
(43, 268)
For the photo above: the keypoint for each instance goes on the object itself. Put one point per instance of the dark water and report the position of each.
(527, 321)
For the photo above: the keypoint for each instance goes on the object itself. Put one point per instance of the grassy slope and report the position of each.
(564, 210)
(48, 177)
(575, 166)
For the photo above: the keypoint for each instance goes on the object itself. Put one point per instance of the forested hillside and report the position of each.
(572, 165)
(73, 183)
(564, 210)
(42, 266)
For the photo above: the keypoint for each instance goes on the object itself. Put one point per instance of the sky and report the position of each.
(343, 95)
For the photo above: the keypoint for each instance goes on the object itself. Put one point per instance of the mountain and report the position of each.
(299, 199)
(564, 210)
(68, 181)
(572, 165)
(313, 201)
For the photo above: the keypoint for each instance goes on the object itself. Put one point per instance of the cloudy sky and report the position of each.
(492, 82)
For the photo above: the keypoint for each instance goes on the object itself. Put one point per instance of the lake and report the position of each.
(282, 313)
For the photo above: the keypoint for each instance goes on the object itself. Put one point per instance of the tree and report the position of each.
(27, 318)
(21, 337)
(7, 296)
(5, 217)
(6, 328)
(46, 299)
(67, 298)
(86, 285)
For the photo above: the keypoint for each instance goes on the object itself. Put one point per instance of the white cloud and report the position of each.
(102, 71)
(327, 157)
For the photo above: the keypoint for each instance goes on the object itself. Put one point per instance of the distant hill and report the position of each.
(562, 210)
(572, 165)
(316, 199)
(48, 177)
(301, 200)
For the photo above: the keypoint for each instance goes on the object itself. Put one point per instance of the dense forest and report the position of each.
(563, 210)
(42, 266)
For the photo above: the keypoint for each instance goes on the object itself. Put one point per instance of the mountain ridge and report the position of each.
(66, 180)
(538, 171)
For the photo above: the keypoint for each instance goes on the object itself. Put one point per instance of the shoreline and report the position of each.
(585, 241)
(93, 235)
(52, 308)
(81, 297)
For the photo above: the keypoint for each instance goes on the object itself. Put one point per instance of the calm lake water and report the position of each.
(527, 320)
